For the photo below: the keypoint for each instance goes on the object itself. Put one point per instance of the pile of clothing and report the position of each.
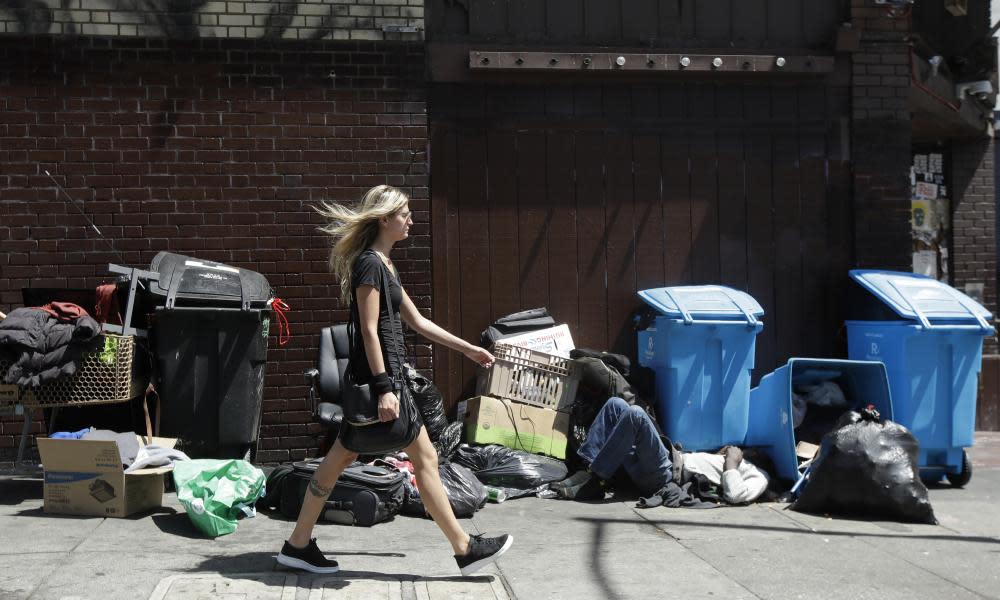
(46, 343)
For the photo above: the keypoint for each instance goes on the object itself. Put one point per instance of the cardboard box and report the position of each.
(85, 477)
(515, 425)
(554, 340)
(806, 451)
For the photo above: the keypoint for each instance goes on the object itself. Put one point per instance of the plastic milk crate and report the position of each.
(530, 376)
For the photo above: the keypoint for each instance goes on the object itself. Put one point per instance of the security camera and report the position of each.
(980, 89)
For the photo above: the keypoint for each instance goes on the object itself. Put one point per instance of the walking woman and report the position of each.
(363, 240)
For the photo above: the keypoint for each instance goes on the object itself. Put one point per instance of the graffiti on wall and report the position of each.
(189, 18)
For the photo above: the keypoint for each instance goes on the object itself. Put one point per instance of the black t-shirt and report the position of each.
(367, 269)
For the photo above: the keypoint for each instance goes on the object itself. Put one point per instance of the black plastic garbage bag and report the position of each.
(515, 324)
(465, 493)
(510, 469)
(429, 401)
(412, 505)
(448, 441)
(867, 467)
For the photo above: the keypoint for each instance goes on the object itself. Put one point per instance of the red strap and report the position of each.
(284, 331)
(64, 311)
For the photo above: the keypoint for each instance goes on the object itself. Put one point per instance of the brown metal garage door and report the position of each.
(577, 212)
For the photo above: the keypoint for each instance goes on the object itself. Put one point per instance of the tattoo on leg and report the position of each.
(318, 490)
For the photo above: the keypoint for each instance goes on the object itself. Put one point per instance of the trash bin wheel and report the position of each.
(962, 477)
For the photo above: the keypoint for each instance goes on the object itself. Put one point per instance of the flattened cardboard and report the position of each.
(516, 425)
(554, 340)
(806, 450)
(86, 477)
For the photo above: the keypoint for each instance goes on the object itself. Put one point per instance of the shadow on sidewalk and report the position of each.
(602, 571)
(16, 490)
(252, 564)
(801, 530)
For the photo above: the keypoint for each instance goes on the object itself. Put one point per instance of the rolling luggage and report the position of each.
(364, 494)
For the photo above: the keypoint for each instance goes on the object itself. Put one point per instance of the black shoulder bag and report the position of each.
(364, 432)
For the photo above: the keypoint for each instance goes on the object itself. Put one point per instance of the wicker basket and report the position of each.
(531, 377)
(112, 374)
(9, 394)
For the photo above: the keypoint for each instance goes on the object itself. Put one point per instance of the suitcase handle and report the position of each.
(340, 504)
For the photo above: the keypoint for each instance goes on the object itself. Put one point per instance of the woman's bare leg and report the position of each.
(435, 499)
(320, 486)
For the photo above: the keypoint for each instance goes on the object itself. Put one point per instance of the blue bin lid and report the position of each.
(704, 303)
(922, 298)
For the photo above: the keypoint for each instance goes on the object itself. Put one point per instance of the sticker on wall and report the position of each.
(922, 215)
(925, 190)
(925, 263)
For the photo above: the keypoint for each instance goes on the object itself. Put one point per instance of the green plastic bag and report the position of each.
(214, 492)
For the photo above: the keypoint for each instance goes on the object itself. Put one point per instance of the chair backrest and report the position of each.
(334, 353)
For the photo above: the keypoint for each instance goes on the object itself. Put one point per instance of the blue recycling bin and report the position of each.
(701, 349)
(771, 428)
(933, 354)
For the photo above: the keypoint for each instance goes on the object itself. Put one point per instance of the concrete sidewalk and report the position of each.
(562, 550)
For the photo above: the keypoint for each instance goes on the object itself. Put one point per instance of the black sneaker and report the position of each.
(482, 551)
(308, 559)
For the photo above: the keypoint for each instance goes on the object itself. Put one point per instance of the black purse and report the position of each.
(364, 432)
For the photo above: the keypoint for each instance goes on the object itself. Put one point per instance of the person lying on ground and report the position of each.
(624, 437)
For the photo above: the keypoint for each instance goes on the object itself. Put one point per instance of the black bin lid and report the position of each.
(192, 281)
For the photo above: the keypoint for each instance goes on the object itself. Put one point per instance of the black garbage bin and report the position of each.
(209, 337)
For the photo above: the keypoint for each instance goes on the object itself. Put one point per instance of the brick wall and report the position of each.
(974, 222)
(881, 136)
(187, 19)
(211, 148)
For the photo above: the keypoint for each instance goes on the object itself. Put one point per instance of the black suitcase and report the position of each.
(187, 281)
(364, 494)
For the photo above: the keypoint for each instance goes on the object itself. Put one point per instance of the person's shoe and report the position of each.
(573, 480)
(569, 492)
(590, 489)
(307, 559)
(483, 551)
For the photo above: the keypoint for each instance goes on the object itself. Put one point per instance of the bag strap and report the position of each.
(356, 318)
(392, 317)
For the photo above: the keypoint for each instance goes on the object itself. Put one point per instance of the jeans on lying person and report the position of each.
(624, 436)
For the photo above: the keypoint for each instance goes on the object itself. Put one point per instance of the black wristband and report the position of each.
(381, 384)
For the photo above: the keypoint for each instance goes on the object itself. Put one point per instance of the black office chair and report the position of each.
(326, 379)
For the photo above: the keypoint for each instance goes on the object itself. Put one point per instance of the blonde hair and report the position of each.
(354, 230)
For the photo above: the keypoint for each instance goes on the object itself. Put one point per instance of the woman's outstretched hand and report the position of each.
(388, 407)
(481, 357)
